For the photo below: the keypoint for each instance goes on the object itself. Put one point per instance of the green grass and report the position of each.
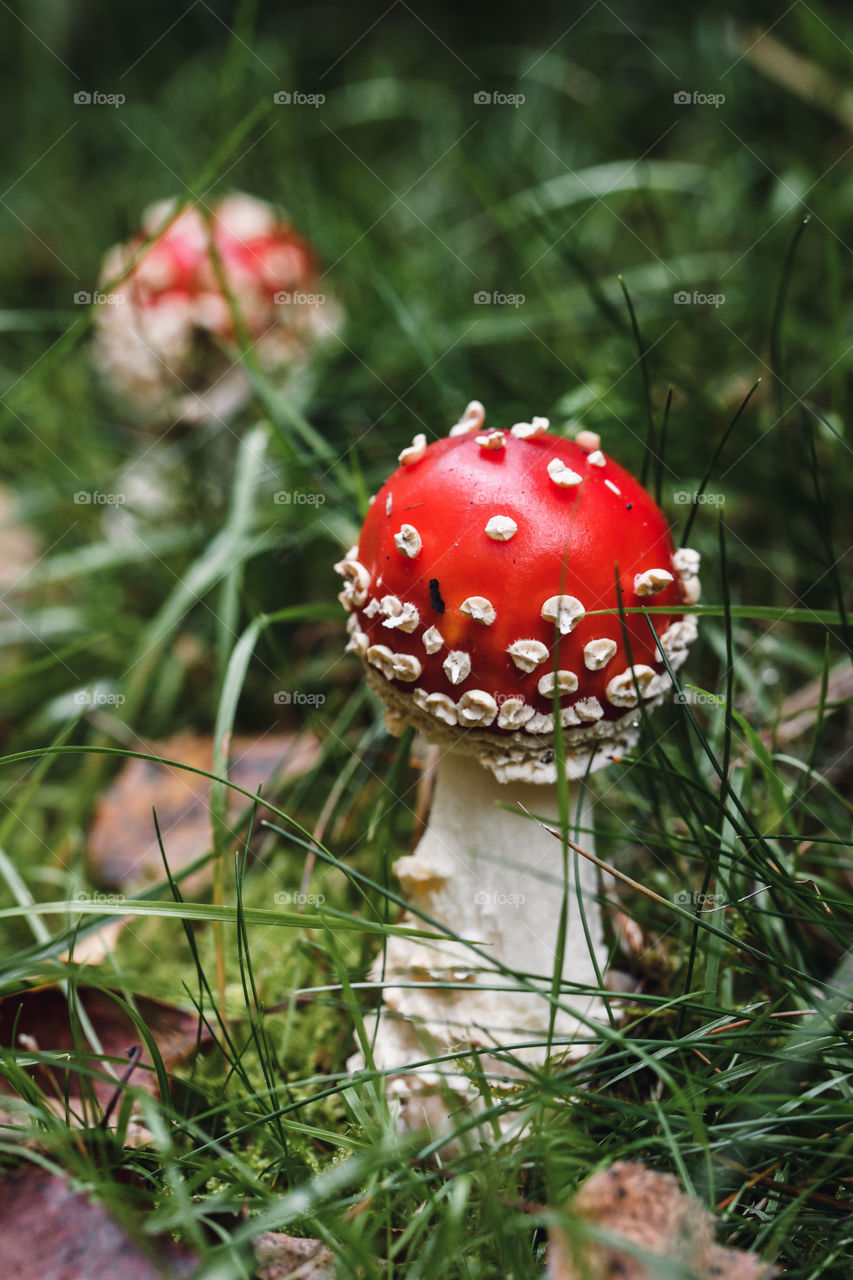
(597, 199)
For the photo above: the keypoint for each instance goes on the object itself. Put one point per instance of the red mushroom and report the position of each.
(161, 338)
(475, 596)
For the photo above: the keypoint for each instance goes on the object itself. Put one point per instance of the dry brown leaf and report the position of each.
(123, 852)
(55, 1233)
(95, 947)
(649, 1211)
(38, 1021)
(282, 1257)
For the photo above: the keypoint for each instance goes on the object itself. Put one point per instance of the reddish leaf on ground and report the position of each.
(39, 1021)
(123, 852)
(282, 1257)
(651, 1213)
(52, 1232)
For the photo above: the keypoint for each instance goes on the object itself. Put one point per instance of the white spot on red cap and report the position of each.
(514, 713)
(381, 657)
(621, 691)
(442, 707)
(408, 541)
(686, 562)
(399, 616)
(596, 458)
(389, 502)
(588, 440)
(406, 667)
(415, 451)
(476, 707)
(432, 639)
(528, 654)
(358, 641)
(492, 440)
(677, 637)
(598, 653)
(565, 681)
(529, 430)
(613, 488)
(589, 709)
(480, 609)
(501, 528)
(651, 581)
(471, 420)
(563, 475)
(457, 666)
(357, 582)
(566, 611)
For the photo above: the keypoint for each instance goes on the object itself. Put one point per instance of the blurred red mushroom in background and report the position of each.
(475, 595)
(165, 335)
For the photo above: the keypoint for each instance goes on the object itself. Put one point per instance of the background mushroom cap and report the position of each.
(162, 334)
(481, 568)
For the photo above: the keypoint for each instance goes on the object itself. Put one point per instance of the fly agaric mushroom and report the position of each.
(475, 595)
(161, 340)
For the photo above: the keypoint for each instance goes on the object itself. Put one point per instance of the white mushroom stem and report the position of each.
(493, 878)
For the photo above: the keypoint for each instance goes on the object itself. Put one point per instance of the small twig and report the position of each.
(789, 1187)
(602, 866)
(133, 1056)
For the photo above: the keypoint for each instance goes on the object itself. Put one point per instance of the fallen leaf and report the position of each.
(93, 948)
(123, 852)
(282, 1257)
(649, 1211)
(55, 1233)
(38, 1021)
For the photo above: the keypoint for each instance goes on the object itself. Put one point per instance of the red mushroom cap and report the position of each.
(475, 587)
(162, 332)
